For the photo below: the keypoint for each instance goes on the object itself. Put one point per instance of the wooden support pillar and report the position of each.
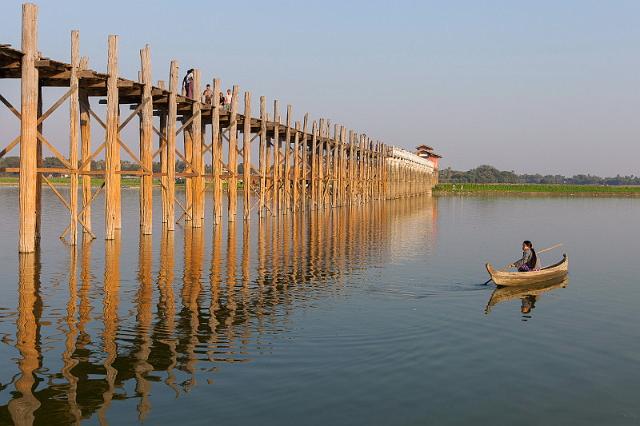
(112, 157)
(187, 139)
(287, 168)
(305, 161)
(74, 117)
(263, 155)
(216, 153)
(313, 181)
(197, 182)
(296, 168)
(246, 156)
(276, 199)
(146, 142)
(28, 130)
(172, 118)
(334, 169)
(162, 145)
(328, 169)
(352, 168)
(232, 190)
(85, 152)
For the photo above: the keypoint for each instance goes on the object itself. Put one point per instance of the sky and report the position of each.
(546, 86)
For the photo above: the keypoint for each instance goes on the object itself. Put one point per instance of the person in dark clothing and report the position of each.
(529, 261)
(187, 84)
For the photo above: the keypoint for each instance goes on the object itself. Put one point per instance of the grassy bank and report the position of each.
(534, 188)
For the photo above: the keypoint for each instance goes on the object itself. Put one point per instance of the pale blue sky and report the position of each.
(531, 86)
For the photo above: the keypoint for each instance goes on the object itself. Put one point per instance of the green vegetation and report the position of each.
(539, 188)
(489, 174)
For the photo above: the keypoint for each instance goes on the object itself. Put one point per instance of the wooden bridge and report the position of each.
(301, 165)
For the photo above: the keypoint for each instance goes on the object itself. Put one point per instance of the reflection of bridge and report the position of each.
(178, 334)
(300, 166)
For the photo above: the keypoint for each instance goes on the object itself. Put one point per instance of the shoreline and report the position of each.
(536, 189)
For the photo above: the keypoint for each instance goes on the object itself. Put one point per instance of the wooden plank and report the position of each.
(146, 141)
(85, 152)
(112, 157)
(28, 131)
(246, 156)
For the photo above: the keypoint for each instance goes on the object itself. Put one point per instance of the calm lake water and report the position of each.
(374, 315)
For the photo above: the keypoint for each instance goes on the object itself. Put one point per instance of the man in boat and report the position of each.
(529, 261)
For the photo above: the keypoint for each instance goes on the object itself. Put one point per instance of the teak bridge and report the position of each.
(301, 166)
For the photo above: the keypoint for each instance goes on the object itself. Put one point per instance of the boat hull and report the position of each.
(553, 272)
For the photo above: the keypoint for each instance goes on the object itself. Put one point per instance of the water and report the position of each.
(375, 315)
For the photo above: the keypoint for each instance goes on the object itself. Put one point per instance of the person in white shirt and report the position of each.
(227, 100)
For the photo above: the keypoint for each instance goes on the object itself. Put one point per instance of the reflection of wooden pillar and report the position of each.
(144, 300)
(231, 284)
(166, 303)
(22, 409)
(28, 130)
(111, 289)
(70, 338)
(216, 280)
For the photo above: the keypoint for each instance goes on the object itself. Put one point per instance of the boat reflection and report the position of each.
(212, 298)
(528, 294)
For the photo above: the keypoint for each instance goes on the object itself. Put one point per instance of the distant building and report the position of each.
(426, 152)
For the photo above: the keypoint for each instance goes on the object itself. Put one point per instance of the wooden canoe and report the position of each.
(505, 294)
(549, 273)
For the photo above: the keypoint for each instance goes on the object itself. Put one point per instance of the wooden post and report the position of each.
(328, 170)
(74, 117)
(246, 156)
(305, 160)
(28, 130)
(287, 168)
(172, 118)
(85, 152)
(296, 168)
(112, 157)
(232, 190)
(197, 182)
(276, 160)
(216, 153)
(146, 141)
(187, 135)
(313, 182)
(334, 174)
(162, 143)
(263, 156)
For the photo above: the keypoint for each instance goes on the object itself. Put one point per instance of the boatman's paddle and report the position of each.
(537, 252)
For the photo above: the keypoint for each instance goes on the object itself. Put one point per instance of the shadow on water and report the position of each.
(172, 317)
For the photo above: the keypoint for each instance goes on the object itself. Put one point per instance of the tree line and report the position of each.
(489, 174)
(54, 162)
